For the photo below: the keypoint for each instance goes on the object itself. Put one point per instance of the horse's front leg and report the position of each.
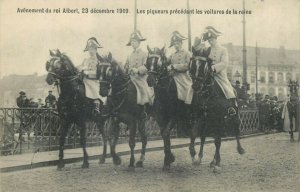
(102, 127)
(240, 149)
(142, 131)
(193, 136)
(82, 127)
(217, 157)
(63, 133)
(132, 134)
(113, 143)
(169, 157)
(200, 155)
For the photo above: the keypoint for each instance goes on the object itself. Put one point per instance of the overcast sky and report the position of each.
(25, 39)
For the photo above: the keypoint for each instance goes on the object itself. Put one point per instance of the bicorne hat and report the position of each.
(176, 36)
(92, 43)
(210, 32)
(137, 36)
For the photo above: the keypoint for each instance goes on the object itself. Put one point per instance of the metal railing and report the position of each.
(30, 129)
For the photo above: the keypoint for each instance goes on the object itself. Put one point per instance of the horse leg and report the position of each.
(132, 134)
(169, 157)
(141, 127)
(240, 149)
(291, 128)
(83, 144)
(101, 126)
(192, 143)
(217, 167)
(64, 130)
(103, 156)
(113, 143)
(200, 155)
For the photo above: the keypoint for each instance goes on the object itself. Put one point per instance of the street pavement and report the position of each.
(271, 163)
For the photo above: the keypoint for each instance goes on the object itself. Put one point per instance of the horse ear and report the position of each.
(58, 52)
(109, 56)
(149, 50)
(163, 49)
(51, 53)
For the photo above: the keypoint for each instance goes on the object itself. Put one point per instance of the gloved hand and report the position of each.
(134, 71)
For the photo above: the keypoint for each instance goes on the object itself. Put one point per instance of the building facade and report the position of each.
(275, 67)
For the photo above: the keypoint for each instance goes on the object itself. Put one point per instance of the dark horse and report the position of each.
(168, 109)
(212, 114)
(292, 106)
(121, 95)
(73, 106)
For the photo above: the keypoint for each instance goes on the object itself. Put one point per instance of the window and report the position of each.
(280, 93)
(253, 76)
(272, 91)
(280, 77)
(262, 77)
(262, 90)
(288, 76)
(271, 77)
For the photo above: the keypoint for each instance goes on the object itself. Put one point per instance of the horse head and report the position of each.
(59, 67)
(107, 72)
(198, 68)
(156, 65)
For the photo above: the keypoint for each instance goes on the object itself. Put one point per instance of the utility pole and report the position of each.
(135, 16)
(189, 26)
(244, 48)
(256, 72)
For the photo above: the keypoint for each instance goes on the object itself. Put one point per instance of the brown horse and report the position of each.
(213, 114)
(73, 106)
(121, 95)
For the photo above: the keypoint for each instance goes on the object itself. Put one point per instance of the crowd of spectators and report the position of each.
(24, 102)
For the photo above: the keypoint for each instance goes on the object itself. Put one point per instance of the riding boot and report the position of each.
(96, 110)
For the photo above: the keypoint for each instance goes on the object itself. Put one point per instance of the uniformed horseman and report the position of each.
(135, 66)
(89, 68)
(178, 68)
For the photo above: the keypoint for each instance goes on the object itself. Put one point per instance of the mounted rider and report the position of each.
(179, 66)
(135, 66)
(89, 69)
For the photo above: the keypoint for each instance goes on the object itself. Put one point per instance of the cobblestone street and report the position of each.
(271, 163)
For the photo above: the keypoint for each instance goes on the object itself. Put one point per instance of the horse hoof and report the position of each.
(85, 165)
(60, 166)
(139, 164)
(102, 160)
(241, 151)
(117, 160)
(166, 168)
(131, 168)
(172, 158)
(217, 169)
(196, 162)
(212, 164)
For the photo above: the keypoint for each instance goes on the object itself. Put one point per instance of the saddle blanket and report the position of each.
(184, 87)
(92, 88)
(145, 94)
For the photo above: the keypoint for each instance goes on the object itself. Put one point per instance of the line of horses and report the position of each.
(209, 115)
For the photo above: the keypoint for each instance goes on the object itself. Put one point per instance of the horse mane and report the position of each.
(69, 63)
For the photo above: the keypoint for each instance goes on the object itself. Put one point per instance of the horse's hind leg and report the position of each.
(141, 127)
(83, 144)
(64, 130)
